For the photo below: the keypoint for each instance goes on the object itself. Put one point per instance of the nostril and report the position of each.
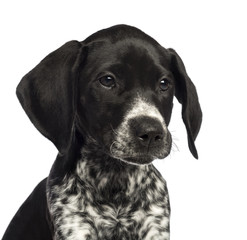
(159, 137)
(144, 137)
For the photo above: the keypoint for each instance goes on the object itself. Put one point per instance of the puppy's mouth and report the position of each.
(134, 154)
(141, 159)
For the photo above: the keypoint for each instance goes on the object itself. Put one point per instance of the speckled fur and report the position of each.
(106, 199)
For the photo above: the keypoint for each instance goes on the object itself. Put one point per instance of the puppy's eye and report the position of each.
(164, 84)
(107, 81)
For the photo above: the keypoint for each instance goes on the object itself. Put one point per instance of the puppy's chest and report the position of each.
(114, 208)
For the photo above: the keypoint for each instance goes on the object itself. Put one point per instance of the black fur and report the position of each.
(105, 103)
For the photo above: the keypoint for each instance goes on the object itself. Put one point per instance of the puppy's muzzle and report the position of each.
(141, 140)
(142, 136)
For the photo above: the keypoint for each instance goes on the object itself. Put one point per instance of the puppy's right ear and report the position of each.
(48, 93)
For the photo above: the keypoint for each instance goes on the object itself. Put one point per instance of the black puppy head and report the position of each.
(115, 87)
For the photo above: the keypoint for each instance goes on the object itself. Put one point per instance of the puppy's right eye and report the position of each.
(107, 81)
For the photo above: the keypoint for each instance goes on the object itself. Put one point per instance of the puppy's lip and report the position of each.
(141, 159)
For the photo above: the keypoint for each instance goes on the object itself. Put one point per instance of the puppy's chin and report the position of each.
(144, 160)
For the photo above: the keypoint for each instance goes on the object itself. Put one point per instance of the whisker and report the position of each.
(114, 142)
(175, 147)
(116, 133)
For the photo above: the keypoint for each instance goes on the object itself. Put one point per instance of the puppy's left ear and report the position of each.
(186, 94)
(47, 94)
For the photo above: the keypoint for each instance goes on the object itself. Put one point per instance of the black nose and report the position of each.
(149, 132)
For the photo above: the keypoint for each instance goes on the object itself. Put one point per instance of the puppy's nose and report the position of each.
(149, 132)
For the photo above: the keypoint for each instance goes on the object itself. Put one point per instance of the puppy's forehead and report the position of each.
(126, 48)
(122, 42)
(131, 55)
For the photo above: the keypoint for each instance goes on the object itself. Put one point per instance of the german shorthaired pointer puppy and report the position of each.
(105, 103)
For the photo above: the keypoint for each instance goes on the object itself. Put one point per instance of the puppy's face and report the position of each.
(115, 87)
(125, 99)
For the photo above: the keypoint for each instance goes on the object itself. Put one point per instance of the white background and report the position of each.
(208, 196)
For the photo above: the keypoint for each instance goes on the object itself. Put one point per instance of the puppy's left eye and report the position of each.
(107, 81)
(164, 84)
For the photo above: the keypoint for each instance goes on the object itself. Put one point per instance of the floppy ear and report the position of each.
(186, 94)
(47, 94)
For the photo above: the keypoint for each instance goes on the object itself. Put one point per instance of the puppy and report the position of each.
(106, 104)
